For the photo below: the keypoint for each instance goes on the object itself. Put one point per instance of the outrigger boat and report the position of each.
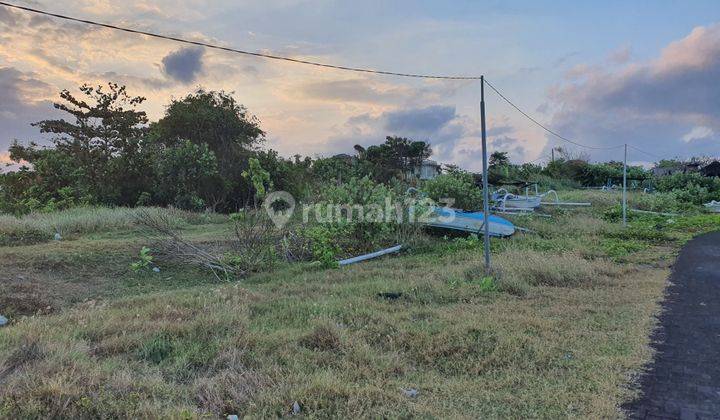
(508, 202)
(466, 221)
(469, 221)
(713, 206)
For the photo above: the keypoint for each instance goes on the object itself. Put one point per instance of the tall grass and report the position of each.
(40, 227)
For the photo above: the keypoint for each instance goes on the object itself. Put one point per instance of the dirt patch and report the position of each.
(35, 293)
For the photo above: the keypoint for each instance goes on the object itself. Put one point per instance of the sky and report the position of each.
(600, 73)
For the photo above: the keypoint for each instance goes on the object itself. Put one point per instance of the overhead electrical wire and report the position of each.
(539, 158)
(235, 50)
(316, 64)
(563, 138)
(560, 136)
(642, 151)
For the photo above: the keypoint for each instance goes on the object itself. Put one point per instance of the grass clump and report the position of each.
(547, 269)
(323, 338)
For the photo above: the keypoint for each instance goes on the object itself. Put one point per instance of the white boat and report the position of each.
(713, 206)
(506, 201)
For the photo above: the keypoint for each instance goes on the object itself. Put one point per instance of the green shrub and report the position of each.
(351, 218)
(458, 186)
(690, 187)
(144, 261)
(618, 248)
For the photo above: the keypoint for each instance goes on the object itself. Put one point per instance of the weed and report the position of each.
(156, 349)
(145, 260)
(487, 284)
(619, 248)
(344, 342)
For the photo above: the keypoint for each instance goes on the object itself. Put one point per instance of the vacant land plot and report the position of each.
(560, 329)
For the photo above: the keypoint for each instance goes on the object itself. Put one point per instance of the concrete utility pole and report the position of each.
(486, 195)
(624, 196)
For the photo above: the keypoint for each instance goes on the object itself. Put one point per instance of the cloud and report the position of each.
(374, 92)
(352, 90)
(698, 133)
(7, 16)
(184, 65)
(621, 55)
(5, 159)
(560, 61)
(437, 124)
(422, 120)
(653, 105)
(23, 101)
(454, 138)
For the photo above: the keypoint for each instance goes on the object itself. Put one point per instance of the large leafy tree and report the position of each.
(229, 131)
(187, 176)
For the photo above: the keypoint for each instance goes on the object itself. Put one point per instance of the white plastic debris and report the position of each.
(3, 321)
(156, 269)
(411, 392)
(232, 417)
(296, 408)
(57, 236)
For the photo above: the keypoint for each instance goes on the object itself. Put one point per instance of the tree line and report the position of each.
(204, 153)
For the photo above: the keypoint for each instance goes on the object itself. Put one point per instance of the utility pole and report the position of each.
(624, 196)
(552, 155)
(486, 195)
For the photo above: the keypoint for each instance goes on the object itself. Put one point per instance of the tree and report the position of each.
(499, 158)
(396, 157)
(187, 176)
(214, 119)
(293, 176)
(99, 155)
(259, 180)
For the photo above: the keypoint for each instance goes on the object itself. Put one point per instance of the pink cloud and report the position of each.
(697, 50)
(650, 104)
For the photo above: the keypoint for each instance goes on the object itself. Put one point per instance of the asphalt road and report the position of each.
(683, 381)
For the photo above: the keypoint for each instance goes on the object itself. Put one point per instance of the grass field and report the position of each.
(559, 331)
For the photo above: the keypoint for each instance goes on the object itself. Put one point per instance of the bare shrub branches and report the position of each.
(159, 223)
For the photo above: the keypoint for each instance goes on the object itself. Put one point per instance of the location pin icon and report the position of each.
(281, 212)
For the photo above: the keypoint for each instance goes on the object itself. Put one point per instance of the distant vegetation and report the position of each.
(205, 154)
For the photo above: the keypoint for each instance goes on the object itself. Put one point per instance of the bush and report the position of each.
(690, 188)
(351, 218)
(458, 186)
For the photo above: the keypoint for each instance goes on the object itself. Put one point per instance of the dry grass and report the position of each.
(345, 342)
(548, 269)
(41, 227)
(327, 341)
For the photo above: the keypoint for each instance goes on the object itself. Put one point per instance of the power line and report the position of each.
(558, 135)
(311, 63)
(544, 127)
(540, 158)
(234, 50)
(642, 151)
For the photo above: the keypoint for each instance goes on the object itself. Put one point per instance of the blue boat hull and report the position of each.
(469, 222)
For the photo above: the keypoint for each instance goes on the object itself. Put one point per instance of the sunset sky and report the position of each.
(602, 73)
